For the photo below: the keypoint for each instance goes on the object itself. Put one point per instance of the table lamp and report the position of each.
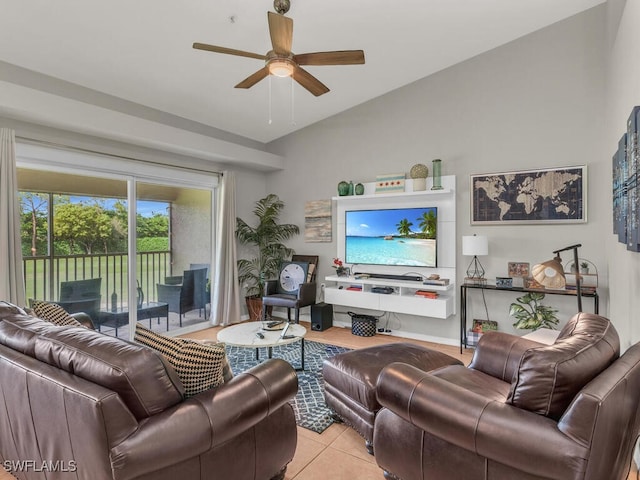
(475, 245)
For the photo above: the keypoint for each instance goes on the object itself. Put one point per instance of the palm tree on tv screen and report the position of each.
(428, 224)
(404, 227)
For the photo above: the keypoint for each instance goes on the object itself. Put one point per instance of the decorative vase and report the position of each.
(419, 174)
(350, 188)
(419, 184)
(437, 174)
(359, 189)
(343, 188)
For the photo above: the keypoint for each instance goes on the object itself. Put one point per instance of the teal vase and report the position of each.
(437, 174)
(359, 189)
(343, 188)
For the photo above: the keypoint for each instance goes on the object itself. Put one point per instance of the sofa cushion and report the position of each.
(145, 382)
(200, 366)
(550, 376)
(20, 330)
(53, 313)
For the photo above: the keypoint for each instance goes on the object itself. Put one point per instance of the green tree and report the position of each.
(404, 227)
(154, 226)
(81, 225)
(428, 224)
(34, 208)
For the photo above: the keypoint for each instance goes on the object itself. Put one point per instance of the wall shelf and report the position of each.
(400, 195)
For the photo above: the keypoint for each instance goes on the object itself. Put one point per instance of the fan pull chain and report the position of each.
(269, 99)
(293, 119)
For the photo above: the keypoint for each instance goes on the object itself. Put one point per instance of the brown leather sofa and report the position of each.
(75, 403)
(521, 410)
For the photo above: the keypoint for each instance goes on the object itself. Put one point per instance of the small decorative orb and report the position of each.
(419, 171)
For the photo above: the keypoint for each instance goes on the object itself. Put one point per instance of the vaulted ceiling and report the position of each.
(141, 51)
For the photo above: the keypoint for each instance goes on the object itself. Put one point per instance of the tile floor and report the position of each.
(338, 453)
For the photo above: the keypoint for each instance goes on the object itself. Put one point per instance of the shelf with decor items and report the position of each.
(404, 297)
(448, 187)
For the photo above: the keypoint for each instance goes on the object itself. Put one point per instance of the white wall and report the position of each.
(623, 93)
(536, 102)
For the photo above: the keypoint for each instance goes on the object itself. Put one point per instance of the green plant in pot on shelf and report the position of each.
(530, 314)
(265, 241)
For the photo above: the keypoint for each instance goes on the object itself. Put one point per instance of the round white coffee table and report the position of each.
(246, 335)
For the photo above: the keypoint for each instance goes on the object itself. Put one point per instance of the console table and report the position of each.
(463, 302)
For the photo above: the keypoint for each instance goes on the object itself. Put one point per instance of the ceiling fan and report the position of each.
(281, 62)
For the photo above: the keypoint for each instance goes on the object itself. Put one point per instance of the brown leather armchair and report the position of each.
(107, 409)
(521, 410)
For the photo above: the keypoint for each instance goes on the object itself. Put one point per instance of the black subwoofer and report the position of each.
(321, 316)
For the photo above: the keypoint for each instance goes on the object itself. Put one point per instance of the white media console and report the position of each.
(403, 299)
(357, 292)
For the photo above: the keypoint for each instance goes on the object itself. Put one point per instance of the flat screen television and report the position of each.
(396, 236)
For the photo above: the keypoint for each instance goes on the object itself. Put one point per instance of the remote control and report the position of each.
(259, 335)
(274, 323)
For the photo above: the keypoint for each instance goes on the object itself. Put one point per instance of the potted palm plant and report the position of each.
(265, 242)
(530, 314)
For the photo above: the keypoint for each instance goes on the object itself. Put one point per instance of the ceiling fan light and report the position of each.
(280, 68)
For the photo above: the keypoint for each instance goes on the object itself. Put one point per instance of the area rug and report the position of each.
(309, 407)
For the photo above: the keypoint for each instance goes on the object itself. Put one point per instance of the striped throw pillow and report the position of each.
(199, 366)
(53, 313)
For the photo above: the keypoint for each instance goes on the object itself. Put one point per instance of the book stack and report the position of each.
(426, 294)
(436, 281)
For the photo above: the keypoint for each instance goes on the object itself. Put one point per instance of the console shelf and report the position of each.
(357, 292)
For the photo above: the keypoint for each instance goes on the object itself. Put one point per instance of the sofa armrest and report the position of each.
(206, 420)
(492, 429)
(498, 354)
(248, 398)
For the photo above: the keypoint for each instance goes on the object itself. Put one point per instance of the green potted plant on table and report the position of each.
(530, 314)
(265, 241)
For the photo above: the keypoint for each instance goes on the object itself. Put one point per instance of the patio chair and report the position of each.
(82, 296)
(201, 292)
(181, 298)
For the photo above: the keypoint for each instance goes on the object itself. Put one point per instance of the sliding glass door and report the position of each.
(79, 230)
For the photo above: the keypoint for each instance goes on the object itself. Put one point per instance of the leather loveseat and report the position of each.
(521, 410)
(75, 403)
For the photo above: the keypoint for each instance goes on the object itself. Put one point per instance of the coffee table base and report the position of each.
(270, 355)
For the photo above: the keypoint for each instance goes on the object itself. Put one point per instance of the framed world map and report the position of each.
(552, 195)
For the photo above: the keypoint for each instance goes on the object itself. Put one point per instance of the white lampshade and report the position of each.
(475, 245)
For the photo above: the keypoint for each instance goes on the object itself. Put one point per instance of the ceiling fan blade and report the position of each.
(308, 81)
(254, 78)
(281, 31)
(343, 57)
(228, 51)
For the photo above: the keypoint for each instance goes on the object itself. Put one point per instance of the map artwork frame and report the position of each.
(543, 196)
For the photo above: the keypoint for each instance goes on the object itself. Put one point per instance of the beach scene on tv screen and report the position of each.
(403, 237)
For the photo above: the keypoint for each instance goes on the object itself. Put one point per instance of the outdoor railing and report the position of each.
(44, 274)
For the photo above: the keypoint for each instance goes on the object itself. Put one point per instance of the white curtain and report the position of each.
(225, 288)
(11, 276)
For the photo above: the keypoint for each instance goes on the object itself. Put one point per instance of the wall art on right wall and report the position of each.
(626, 197)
